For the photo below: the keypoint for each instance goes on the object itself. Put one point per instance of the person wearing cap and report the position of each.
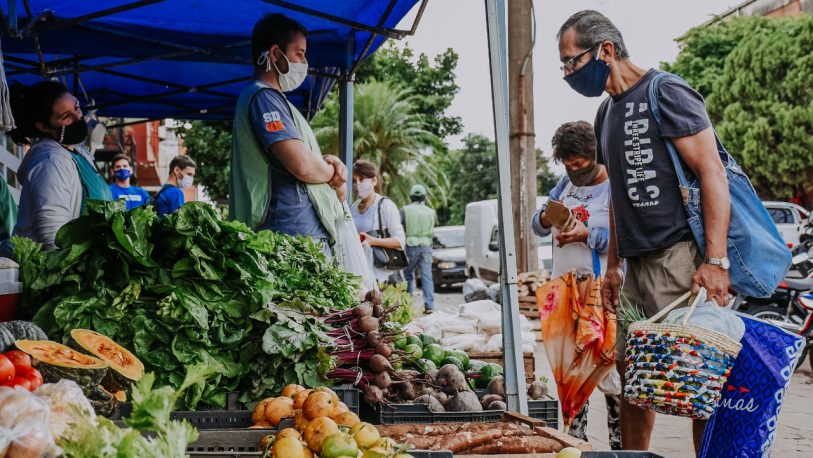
(419, 221)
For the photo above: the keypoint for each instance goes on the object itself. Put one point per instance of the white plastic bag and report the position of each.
(474, 290)
(350, 254)
(710, 316)
(465, 342)
(24, 425)
(476, 309)
(494, 293)
(611, 383)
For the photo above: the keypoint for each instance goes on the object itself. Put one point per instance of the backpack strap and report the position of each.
(654, 85)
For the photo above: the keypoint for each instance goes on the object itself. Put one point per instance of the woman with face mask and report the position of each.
(373, 212)
(171, 195)
(585, 191)
(57, 173)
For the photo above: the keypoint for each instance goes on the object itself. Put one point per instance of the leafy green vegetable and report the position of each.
(165, 438)
(188, 289)
(397, 294)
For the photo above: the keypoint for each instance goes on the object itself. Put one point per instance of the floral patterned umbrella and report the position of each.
(579, 336)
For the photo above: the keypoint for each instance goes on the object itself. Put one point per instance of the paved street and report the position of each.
(672, 435)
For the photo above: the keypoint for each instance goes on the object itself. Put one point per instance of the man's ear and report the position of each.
(608, 51)
(274, 52)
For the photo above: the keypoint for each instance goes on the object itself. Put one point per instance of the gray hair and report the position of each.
(592, 28)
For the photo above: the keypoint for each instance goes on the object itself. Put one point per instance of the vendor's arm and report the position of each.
(391, 220)
(55, 190)
(540, 227)
(275, 129)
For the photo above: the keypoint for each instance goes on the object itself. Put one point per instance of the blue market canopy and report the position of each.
(183, 58)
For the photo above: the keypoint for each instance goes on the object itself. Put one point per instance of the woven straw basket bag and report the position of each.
(678, 368)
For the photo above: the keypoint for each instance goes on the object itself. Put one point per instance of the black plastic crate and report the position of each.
(541, 409)
(207, 417)
(545, 409)
(431, 454)
(394, 414)
(620, 454)
(349, 395)
(228, 442)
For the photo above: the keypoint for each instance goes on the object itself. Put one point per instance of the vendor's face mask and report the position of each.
(293, 78)
(73, 134)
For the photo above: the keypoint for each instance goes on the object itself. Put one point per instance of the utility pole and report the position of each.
(521, 35)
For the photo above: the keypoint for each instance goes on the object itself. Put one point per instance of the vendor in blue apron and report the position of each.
(279, 180)
(57, 174)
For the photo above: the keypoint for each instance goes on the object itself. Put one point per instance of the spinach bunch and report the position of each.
(190, 289)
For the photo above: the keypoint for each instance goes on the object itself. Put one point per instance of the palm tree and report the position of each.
(388, 131)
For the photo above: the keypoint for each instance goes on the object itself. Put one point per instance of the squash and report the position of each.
(24, 330)
(104, 403)
(6, 340)
(56, 362)
(125, 367)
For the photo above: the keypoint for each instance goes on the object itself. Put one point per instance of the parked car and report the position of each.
(789, 218)
(448, 255)
(483, 245)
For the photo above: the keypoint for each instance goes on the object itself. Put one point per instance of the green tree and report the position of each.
(209, 144)
(433, 86)
(389, 131)
(546, 178)
(473, 176)
(760, 99)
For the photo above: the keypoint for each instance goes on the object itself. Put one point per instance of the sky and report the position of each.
(649, 28)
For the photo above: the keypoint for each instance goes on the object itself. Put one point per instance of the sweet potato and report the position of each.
(518, 445)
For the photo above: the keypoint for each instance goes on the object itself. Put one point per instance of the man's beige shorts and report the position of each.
(654, 280)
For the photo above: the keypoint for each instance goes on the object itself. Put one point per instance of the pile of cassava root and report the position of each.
(472, 438)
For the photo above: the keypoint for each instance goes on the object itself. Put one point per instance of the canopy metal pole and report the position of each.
(515, 388)
(346, 129)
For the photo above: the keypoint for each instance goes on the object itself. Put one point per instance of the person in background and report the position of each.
(368, 206)
(585, 190)
(134, 196)
(181, 176)
(419, 221)
(649, 231)
(58, 174)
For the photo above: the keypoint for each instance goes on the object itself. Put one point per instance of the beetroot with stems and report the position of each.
(374, 296)
(382, 380)
(383, 349)
(379, 364)
(378, 310)
(368, 324)
(373, 339)
(362, 310)
(374, 395)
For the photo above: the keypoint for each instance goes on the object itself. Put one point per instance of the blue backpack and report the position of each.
(759, 256)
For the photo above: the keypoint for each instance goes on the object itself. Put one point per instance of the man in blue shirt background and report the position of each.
(121, 189)
(181, 176)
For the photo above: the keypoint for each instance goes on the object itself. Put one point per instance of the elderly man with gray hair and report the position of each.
(648, 224)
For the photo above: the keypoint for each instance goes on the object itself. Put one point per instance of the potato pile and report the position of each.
(323, 427)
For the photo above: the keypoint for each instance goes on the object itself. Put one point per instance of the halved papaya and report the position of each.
(56, 361)
(126, 368)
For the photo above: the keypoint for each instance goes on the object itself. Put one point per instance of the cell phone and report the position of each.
(557, 213)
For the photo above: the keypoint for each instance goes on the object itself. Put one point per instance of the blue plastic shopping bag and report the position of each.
(744, 423)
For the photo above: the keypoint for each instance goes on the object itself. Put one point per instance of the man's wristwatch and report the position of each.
(721, 263)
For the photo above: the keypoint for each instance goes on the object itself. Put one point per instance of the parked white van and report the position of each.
(482, 241)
